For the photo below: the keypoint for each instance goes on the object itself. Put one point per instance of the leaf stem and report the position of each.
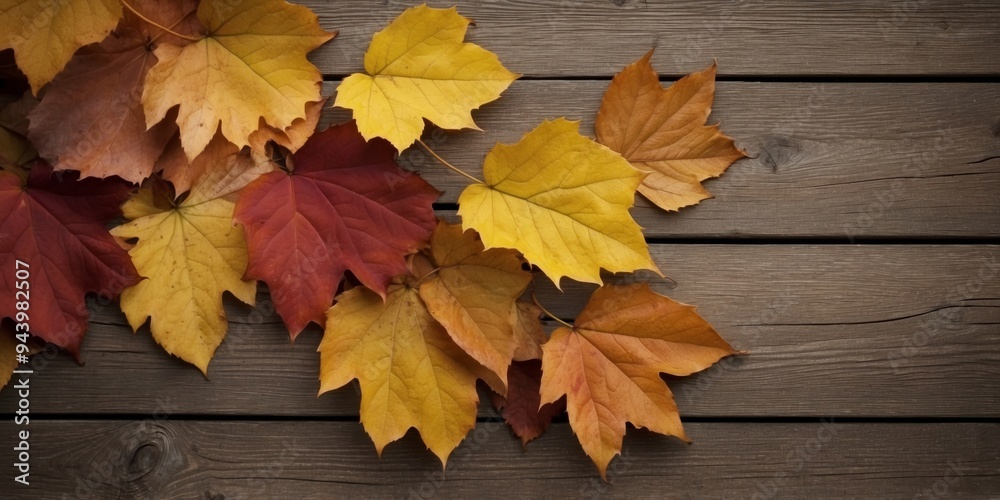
(547, 313)
(449, 165)
(428, 275)
(153, 23)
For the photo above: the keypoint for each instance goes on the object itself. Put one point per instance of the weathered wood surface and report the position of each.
(560, 38)
(862, 119)
(158, 458)
(868, 330)
(832, 160)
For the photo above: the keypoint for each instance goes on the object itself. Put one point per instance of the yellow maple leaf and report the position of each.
(411, 373)
(45, 33)
(608, 366)
(243, 69)
(418, 67)
(473, 294)
(562, 200)
(663, 132)
(189, 253)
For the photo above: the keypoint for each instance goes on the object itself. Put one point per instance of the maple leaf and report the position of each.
(91, 117)
(57, 228)
(521, 408)
(293, 137)
(346, 205)
(562, 200)
(190, 252)
(473, 294)
(45, 33)
(220, 154)
(663, 132)
(411, 373)
(608, 365)
(244, 69)
(418, 67)
(528, 333)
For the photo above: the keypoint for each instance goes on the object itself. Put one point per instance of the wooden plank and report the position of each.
(861, 331)
(556, 38)
(160, 458)
(827, 159)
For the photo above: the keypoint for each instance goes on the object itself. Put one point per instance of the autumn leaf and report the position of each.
(57, 227)
(293, 137)
(663, 132)
(220, 155)
(16, 152)
(528, 333)
(346, 206)
(608, 365)
(473, 294)
(521, 408)
(251, 64)
(45, 33)
(91, 117)
(417, 68)
(411, 373)
(562, 200)
(190, 254)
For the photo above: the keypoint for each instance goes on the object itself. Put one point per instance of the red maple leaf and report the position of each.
(521, 408)
(346, 206)
(56, 224)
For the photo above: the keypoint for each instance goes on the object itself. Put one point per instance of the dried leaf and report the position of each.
(562, 200)
(56, 224)
(473, 294)
(417, 68)
(190, 253)
(608, 366)
(346, 206)
(251, 64)
(411, 373)
(663, 132)
(45, 33)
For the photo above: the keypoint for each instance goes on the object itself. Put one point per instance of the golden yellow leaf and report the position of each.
(663, 132)
(562, 200)
(189, 253)
(608, 366)
(250, 65)
(418, 67)
(45, 33)
(473, 294)
(411, 373)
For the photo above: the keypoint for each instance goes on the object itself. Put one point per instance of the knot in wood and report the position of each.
(777, 151)
(150, 457)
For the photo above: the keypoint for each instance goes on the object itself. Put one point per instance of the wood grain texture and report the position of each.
(860, 331)
(166, 459)
(559, 38)
(831, 160)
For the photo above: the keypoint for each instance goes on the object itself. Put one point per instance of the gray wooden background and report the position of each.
(856, 254)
